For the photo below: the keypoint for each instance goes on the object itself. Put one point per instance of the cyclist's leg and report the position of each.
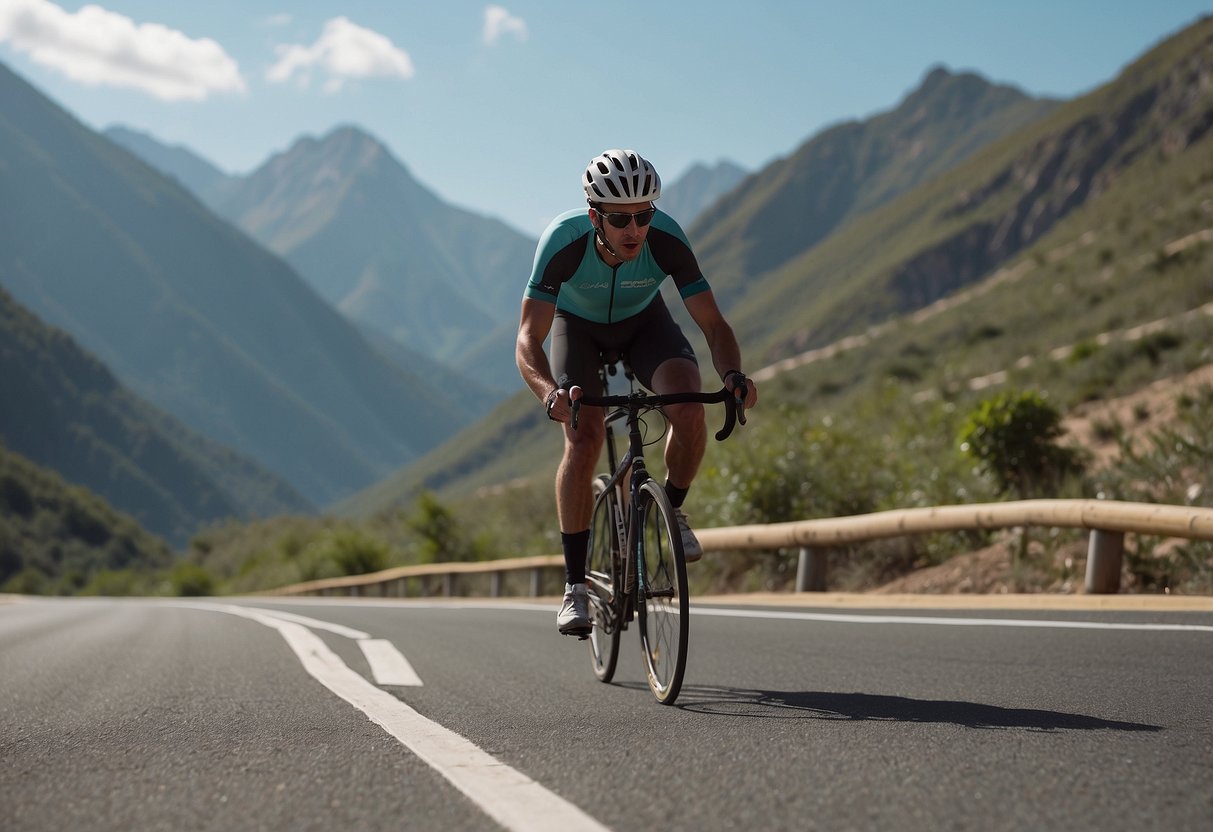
(688, 437)
(669, 366)
(665, 363)
(574, 357)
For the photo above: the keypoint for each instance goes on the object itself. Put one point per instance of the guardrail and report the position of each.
(1107, 520)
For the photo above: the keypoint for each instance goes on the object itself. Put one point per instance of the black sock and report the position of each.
(575, 546)
(677, 495)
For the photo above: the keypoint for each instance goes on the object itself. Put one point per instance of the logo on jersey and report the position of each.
(601, 284)
(638, 284)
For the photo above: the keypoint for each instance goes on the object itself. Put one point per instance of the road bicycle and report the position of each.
(635, 569)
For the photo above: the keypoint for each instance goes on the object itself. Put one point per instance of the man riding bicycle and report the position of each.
(595, 287)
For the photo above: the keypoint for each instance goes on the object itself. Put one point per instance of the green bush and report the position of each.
(443, 538)
(190, 579)
(352, 551)
(1013, 436)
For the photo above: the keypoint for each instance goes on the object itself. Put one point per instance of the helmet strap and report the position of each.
(600, 233)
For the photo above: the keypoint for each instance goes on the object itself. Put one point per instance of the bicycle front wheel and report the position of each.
(664, 602)
(602, 579)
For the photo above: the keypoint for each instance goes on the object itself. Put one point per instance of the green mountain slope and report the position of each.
(192, 315)
(63, 410)
(960, 227)
(56, 538)
(848, 170)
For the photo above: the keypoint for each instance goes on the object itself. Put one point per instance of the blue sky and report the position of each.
(498, 106)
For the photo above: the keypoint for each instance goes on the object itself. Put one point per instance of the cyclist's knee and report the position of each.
(586, 441)
(686, 417)
(676, 375)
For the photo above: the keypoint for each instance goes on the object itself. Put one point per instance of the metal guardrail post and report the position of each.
(495, 585)
(811, 569)
(536, 575)
(448, 584)
(1105, 553)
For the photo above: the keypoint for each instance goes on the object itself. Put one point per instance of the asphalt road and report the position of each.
(132, 715)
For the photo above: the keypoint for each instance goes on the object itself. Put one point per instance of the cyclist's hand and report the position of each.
(744, 388)
(558, 403)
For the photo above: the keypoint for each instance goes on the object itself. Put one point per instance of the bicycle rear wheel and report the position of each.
(602, 578)
(664, 605)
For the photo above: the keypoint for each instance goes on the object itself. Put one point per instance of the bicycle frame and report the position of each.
(625, 532)
(635, 564)
(631, 408)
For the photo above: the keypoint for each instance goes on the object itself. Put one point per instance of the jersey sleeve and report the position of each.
(672, 251)
(558, 246)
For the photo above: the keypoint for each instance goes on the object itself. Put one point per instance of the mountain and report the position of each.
(690, 194)
(64, 410)
(957, 276)
(212, 186)
(387, 251)
(967, 221)
(792, 204)
(193, 315)
(195, 173)
(57, 538)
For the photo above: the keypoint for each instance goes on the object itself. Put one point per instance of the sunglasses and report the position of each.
(621, 219)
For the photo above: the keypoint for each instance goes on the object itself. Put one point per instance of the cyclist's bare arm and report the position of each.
(533, 327)
(726, 354)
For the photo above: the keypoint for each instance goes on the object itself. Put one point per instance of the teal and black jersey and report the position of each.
(569, 273)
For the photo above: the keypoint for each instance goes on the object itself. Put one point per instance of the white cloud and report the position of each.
(344, 51)
(98, 47)
(499, 22)
(280, 19)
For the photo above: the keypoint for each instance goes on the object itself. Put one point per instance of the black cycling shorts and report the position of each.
(646, 340)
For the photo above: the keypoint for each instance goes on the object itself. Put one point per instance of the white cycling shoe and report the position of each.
(574, 616)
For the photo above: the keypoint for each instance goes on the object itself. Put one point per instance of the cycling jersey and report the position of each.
(569, 273)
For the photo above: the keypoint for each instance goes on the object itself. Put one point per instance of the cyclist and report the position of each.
(595, 286)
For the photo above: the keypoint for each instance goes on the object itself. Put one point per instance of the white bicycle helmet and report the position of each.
(616, 177)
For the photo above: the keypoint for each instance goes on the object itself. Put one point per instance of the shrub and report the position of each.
(1014, 436)
(190, 579)
(442, 537)
(349, 550)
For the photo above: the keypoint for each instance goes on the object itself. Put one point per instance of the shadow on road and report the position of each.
(768, 704)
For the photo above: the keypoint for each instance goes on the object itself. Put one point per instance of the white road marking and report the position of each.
(388, 666)
(254, 612)
(509, 797)
(948, 622)
(311, 623)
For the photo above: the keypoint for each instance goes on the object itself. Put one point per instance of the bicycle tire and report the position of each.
(664, 607)
(602, 578)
